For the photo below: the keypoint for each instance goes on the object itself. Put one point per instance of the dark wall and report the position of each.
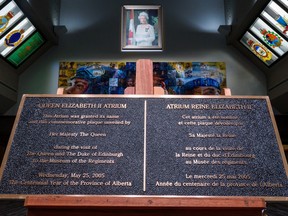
(6, 125)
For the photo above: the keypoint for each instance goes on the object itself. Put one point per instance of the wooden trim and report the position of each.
(226, 92)
(129, 90)
(142, 206)
(60, 91)
(144, 77)
(147, 202)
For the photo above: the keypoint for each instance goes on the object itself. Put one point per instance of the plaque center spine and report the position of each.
(144, 146)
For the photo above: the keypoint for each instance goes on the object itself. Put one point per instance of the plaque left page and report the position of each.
(75, 145)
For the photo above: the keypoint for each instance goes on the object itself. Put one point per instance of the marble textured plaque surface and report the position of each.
(144, 145)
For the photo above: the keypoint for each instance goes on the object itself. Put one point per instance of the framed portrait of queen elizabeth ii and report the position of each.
(141, 28)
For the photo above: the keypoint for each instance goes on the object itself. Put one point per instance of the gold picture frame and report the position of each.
(141, 28)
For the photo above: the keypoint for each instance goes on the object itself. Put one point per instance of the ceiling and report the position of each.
(277, 75)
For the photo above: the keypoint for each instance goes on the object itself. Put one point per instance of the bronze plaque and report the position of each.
(144, 145)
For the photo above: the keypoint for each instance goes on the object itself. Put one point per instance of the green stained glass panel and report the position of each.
(26, 49)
